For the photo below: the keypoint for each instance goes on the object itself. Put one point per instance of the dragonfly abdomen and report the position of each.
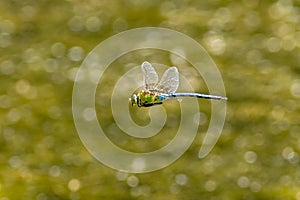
(198, 95)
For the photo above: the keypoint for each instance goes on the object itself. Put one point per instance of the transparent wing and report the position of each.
(150, 76)
(169, 81)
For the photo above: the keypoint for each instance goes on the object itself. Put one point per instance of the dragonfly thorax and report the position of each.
(146, 98)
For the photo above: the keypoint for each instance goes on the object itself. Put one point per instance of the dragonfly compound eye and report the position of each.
(133, 99)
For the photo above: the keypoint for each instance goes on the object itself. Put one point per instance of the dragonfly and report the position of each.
(156, 92)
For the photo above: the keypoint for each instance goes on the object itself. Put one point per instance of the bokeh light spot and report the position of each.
(93, 24)
(295, 88)
(58, 49)
(74, 185)
(210, 185)
(181, 179)
(15, 162)
(76, 53)
(215, 43)
(243, 182)
(54, 171)
(28, 13)
(250, 156)
(132, 181)
(7, 67)
(89, 114)
(76, 24)
(273, 44)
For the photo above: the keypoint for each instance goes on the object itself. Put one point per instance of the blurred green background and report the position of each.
(256, 46)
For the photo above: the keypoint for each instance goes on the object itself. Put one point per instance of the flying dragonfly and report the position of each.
(156, 92)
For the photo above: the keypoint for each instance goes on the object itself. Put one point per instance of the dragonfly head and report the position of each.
(133, 99)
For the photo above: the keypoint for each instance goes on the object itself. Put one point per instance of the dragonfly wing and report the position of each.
(169, 81)
(150, 75)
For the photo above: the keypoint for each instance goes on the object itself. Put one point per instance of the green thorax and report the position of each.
(147, 98)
